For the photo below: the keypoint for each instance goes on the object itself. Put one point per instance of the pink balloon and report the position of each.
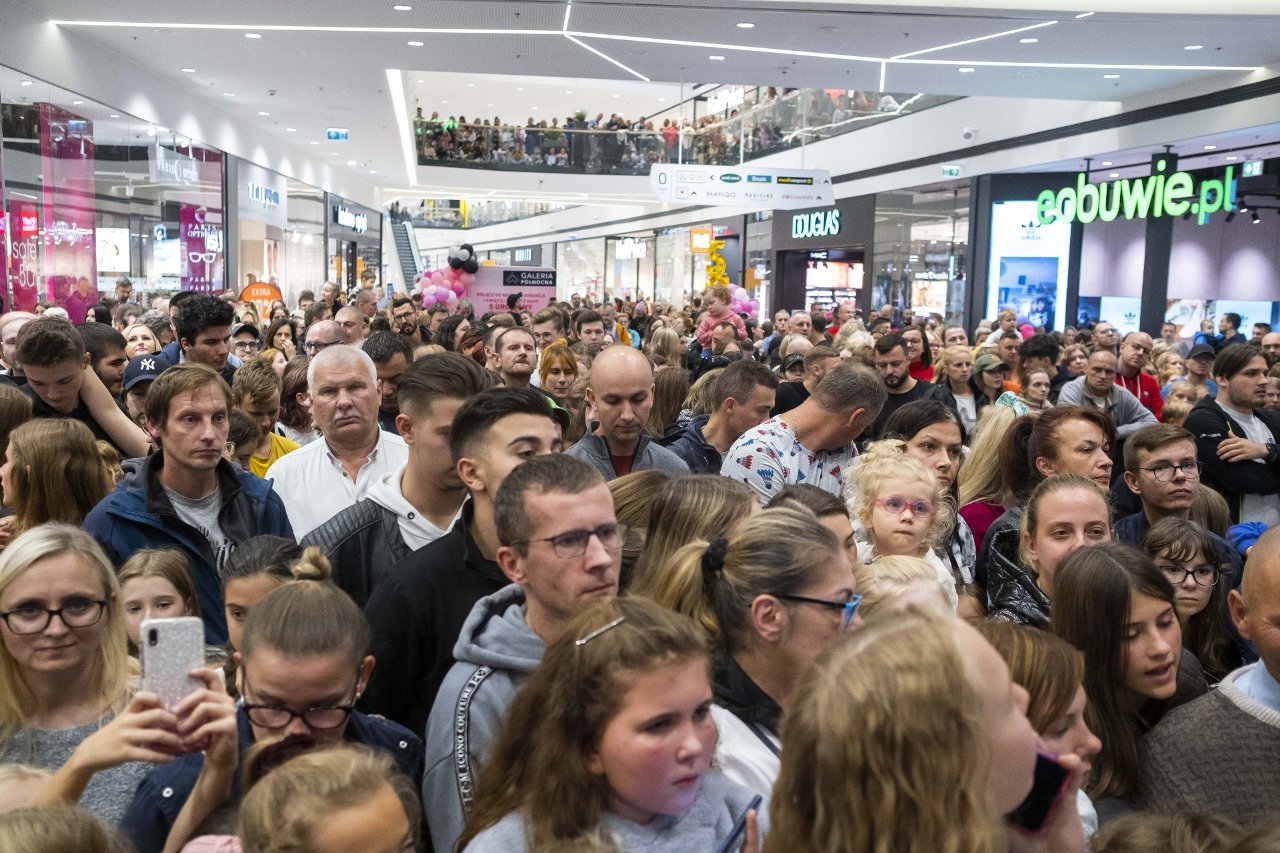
(437, 277)
(457, 289)
(467, 279)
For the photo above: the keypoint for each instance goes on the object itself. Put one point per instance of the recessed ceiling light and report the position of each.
(533, 108)
(519, 88)
(444, 102)
(76, 103)
(402, 8)
(965, 70)
(471, 85)
(415, 44)
(1028, 41)
(352, 163)
(290, 130)
(1194, 47)
(25, 83)
(228, 94)
(115, 115)
(715, 57)
(1211, 148)
(1083, 15)
(1106, 162)
(746, 25)
(253, 35)
(567, 92)
(662, 100)
(616, 95)
(1114, 175)
(373, 171)
(263, 113)
(188, 71)
(1110, 76)
(1231, 157)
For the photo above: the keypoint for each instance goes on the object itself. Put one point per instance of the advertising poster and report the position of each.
(1186, 315)
(1250, 313)
(494, 284)
(69, 208)
(201, 241)
(1029, 265)
(24, 255)
(1123, 312)
(113, 250)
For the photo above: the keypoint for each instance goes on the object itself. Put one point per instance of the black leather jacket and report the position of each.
(362, 542)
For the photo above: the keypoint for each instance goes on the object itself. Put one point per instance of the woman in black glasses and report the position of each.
(65, 698)
(303, 662)
(771, 595)
(1186, 554)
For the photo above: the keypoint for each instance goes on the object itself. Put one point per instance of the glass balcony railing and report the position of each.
(765, 124)
(464, 213)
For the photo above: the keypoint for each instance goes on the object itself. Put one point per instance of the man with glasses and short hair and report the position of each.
(1161, 468)
(404, 319)
(561, 550)
(1105, 337)
(419, 605)
(1098, 388)
(1135, 350)
(322, 335)
(246, 342)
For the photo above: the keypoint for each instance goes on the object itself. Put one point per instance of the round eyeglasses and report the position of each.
(75, 613)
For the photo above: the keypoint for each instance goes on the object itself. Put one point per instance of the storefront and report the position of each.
(88, 195)
(353, 237)
(822, 255)
(258, 216)
(1140, 248)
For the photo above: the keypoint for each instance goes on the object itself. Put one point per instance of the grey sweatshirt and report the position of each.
(703, 828)
(495, 653)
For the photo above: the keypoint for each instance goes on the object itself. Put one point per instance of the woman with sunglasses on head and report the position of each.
(67, 702)
(1189, 558)
(771, 597)
(302, 663)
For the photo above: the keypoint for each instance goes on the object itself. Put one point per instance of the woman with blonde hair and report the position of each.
(771, 596)
(634, 495)
(66, 700)
(864, 770)
(894, 582)
(687, 509)
(53, 471)
(155, 583)
(58, 829)
(983, 491)
(664, 348)
(140, 340)
(670, 387)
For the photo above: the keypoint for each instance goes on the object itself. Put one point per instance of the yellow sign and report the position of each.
(700, 240)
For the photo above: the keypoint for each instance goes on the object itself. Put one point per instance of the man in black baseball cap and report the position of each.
(1199, 366)
(138, 376)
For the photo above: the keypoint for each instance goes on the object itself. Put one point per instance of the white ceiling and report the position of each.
(321, 63)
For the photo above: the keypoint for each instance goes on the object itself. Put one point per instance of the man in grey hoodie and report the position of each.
(561, 549)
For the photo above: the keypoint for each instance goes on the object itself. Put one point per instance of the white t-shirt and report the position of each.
(1264, 508)
(769, 457)
(968, 410)
(416, 529)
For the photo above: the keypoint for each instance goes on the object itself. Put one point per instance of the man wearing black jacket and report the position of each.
(417, 611)
(1236, 438)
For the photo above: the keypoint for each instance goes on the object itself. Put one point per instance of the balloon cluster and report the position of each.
(740, 301)
(450, 283)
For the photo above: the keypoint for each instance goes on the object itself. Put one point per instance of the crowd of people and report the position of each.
(636, 576)
(780, 119)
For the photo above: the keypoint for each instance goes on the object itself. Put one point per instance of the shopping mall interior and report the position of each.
(1070, 160)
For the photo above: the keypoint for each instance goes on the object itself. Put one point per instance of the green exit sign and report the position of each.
(950, 171)
(1252, 169)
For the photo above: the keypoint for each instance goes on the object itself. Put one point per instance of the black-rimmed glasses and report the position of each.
(1204, 575)
(1165, 473)
(321, 718)
(573, 543)
(849, 607)
(76, 613)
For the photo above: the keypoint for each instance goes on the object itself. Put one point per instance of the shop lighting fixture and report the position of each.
(746, 25)
(1211, 148)
(1083, 15)
(415, 44)
(290, 130)
(188, 71)
(1232, 157)
(25, 83)
(351, 163)
(1028, 41)
(76, 103)
(1255, 218)
(115, 115)
(1114, 175)
(263, 113)
(1110, 76)
(253, 35)
(402, 8)
(1194, 47)
(715, 57)
(228, 94)
(1106, 162)
(965, 70)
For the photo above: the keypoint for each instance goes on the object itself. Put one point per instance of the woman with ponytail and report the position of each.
(771, 597)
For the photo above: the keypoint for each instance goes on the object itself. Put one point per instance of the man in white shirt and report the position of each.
(417, 504)
(1236, 438)
(812, 443)
(325, 477)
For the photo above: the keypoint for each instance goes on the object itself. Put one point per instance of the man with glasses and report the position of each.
(1105, 337)
(561, 550)
(1217, 755)
(1135, 349)
(1161, 468)
(404, 319)
(419, 607)
(246, 342)
(1098, 388)
(322, 335)
(1236, 437)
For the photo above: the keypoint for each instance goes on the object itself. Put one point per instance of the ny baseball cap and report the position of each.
(144, 368)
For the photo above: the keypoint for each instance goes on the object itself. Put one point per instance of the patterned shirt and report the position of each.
(769, 457)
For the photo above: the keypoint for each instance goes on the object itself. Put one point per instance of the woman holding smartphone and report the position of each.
(65, 697)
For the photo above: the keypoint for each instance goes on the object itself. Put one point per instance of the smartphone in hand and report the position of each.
(1051, 780)
(169, 650)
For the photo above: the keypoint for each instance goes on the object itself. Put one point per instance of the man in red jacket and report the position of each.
(1135, 349)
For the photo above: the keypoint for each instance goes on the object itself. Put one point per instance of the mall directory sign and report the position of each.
(742, 186)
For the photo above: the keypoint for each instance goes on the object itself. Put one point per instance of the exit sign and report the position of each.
(950, 171)
(337, 134)
(1252, 169)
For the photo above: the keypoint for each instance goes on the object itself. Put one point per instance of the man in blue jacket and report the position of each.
(744, 395)
(186, 495)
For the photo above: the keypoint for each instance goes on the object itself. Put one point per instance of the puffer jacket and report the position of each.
(1012, 594)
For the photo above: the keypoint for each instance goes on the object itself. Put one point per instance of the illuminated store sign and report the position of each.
(822, 223)
(264, 196)
(1155, 195)
(357, 222)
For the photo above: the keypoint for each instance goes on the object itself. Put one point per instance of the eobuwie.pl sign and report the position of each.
(1158, 194)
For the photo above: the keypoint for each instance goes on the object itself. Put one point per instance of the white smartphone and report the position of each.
(170, 649)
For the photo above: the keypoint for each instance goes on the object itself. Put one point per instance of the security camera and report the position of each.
(969, 133)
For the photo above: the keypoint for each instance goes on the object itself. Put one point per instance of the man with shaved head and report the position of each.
(620, 388)
(1218, 754)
